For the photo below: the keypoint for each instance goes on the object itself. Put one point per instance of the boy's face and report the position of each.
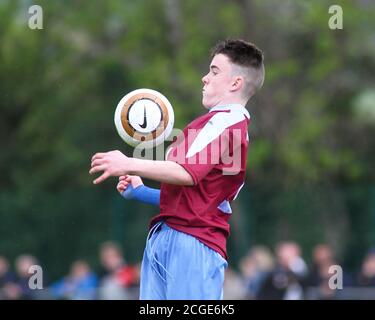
(217, 82)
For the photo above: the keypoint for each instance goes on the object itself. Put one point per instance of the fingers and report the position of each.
(98, 155)
(104, 176)
(122, 186)
(97, 169)
(108, 164)
(97, 162)
(134, 180)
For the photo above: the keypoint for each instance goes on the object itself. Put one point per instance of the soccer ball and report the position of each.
(144, 116)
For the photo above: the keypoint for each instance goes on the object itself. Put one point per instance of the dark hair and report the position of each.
(240, 52)
(248, 56)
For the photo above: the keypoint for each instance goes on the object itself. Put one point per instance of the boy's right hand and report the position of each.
(124, 181)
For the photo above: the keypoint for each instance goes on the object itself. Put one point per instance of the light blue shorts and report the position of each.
(177, 266)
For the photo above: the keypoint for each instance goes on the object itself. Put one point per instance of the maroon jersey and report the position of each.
(213, 149)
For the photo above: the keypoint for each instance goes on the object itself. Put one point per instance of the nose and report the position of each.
(205, 79)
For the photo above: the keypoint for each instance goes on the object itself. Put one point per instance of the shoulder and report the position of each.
(227, 121)
(220, 120)
(216, 124)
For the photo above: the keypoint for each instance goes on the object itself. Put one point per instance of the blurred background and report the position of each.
(309, 199)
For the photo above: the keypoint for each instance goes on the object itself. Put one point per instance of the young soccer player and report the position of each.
(185, 255)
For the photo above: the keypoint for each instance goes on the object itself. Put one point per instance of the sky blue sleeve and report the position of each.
(143, 194)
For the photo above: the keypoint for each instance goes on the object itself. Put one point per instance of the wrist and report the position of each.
(131, 167)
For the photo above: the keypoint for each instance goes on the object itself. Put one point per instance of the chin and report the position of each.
(206, 105)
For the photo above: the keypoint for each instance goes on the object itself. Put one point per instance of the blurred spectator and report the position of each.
(255, 267)
(21, 289)
(366, 277)
(322, 257)
(234, 287)
(285, 281)
(7, 280)
(80, 284)
(319, 276)
(118, 280)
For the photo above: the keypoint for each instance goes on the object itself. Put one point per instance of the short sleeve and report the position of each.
(200, 151)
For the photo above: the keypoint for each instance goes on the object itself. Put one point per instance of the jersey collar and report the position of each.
(231, 107)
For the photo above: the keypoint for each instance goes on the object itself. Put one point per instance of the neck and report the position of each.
(232, 100)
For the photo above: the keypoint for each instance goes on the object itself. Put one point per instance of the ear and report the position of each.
(237, 83)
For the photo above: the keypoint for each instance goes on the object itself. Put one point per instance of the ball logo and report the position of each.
(144, 124)
(144, 115)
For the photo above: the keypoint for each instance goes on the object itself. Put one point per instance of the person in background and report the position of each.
(8, 287)
(286, 281)
(255, 267)
(118, 280)
(366, 277)
(80, 284)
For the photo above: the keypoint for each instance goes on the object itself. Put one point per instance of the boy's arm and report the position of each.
(143, 194)
(132, 187)
(115, 163)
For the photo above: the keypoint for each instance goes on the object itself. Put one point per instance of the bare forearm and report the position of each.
(115, 163)
(162, 171)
